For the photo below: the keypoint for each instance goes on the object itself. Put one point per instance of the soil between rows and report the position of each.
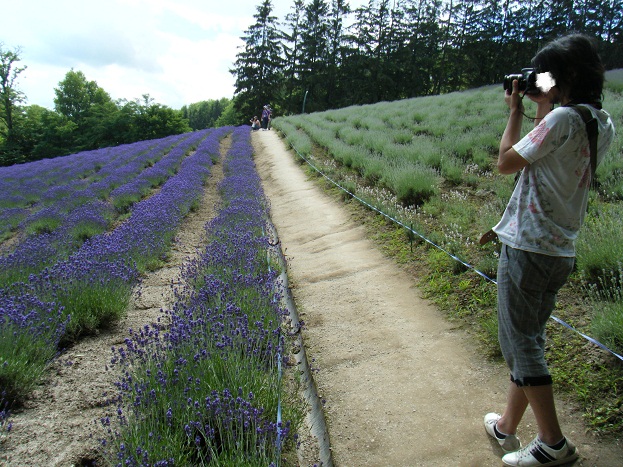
(402, 386)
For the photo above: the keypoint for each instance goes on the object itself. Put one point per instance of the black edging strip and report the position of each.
(318, 425)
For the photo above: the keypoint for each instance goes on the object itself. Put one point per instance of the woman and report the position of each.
(538, 231)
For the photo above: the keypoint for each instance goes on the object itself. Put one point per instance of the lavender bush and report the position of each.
(204, 388)
(82, 290)
(50, 233)
(30, 330)
(95, 283)
(47, 190)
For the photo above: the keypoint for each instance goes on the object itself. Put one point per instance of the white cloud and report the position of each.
(177, 51)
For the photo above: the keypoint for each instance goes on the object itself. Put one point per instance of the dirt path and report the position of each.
(57, 426)
(402, 387)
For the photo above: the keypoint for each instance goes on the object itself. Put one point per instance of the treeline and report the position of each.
(325, 55)
(85, 117)
(322, 55)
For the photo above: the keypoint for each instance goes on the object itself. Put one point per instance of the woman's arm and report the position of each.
(509, 160)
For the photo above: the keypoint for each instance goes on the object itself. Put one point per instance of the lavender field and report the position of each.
(79, 242)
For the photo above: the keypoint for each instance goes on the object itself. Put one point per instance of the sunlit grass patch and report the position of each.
(47, 221)
(124, 201)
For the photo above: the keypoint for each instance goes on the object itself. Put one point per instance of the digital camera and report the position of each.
(526, 79)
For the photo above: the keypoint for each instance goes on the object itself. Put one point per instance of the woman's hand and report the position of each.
(544, 102)
(513, 99)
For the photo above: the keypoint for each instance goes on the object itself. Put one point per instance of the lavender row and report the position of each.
(66, 227)
(93, 285)
(147, 233)
(157, 174)
(204, 389)
(25, 185)
(26, 189)
(33, 191)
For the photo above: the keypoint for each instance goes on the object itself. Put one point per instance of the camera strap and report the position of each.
(592, 131)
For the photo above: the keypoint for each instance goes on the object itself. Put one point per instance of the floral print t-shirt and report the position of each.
(548, 205)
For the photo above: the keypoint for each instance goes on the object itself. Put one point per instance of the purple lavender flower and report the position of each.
(210, 376)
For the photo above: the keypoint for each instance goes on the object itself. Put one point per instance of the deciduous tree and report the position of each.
(10, 98)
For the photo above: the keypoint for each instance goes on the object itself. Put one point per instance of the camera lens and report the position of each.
(508, 82)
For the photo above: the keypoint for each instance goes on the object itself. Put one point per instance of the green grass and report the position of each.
(122, 203)
(24, 356)
(607, 300)
(93, 306)
(22, 362)
(599, 246)
(44, 224)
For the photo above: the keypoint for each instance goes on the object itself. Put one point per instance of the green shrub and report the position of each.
(607, 301)
(44, 224)
(599, 249)
(607, 325)
(452, 170)
(373, 168)
(413, 185)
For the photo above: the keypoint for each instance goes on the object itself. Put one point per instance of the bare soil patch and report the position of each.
(401, 385)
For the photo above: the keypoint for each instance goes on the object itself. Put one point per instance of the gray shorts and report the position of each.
(527, 287)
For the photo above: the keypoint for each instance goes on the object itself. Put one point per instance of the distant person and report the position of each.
(538, 231)
(265, 117)
(255, 123)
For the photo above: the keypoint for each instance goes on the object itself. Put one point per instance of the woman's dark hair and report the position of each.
(576, 66)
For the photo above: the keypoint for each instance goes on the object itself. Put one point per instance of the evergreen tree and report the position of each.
(611, 14)
(314, 54)
(422, 37)
(258, 68)
(374, 41)
(336, 51)
(292, 52)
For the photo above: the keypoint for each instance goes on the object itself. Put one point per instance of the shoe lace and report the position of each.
(529, 450)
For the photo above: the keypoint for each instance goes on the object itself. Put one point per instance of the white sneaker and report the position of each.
(509, 443)
(538, 453)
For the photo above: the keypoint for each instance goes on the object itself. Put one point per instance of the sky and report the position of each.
(177, 51)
